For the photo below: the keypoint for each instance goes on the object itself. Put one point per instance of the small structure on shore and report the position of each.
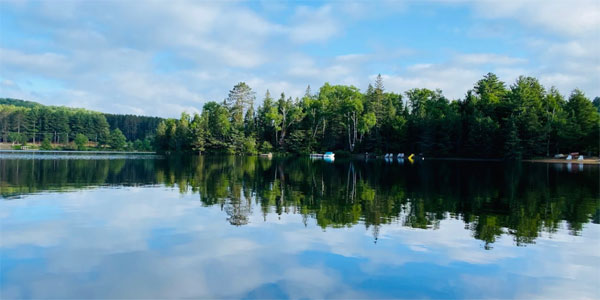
(267, 155)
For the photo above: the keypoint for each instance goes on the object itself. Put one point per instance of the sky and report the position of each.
(161, 58)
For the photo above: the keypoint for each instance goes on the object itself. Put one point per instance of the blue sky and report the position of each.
(164, 57)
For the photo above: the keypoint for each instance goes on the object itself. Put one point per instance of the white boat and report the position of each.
(400, 155)
(580, 157)
(329, 155)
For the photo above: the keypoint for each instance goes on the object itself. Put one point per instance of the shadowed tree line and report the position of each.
(23, 122)
(493, 120)
(520, 200)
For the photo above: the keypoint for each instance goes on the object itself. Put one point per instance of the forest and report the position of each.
(64, 128)
(522, 120)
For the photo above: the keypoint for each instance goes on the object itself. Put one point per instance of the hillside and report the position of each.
(134, 127)
(18, 102)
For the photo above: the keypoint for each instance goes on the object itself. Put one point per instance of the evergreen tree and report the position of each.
(240, 98)
(582, 123)
(512, 144)
(46, 144)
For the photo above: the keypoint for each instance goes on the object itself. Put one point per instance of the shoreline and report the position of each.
(76, 152)
(587, 161)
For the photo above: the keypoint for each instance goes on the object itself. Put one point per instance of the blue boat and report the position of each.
(328, 155)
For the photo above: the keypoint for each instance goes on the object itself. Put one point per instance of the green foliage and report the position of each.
(117, 140)
(522, 202)
(81, 141)
(138, 145)
(18, 102)
(490, 122)
(46, 144)
(249, 145)
(239, 100)
(512, 144)
(133, 127)
(16, 138)
(25, 121)
(265, 147)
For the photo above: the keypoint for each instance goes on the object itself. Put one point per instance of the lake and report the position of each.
(104, 226)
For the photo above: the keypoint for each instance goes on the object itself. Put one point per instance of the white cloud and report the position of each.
(313, 24)
(453, 80)
(488, 58)
(119, 56)
(163, 244)
(45, 63)
(569, 18)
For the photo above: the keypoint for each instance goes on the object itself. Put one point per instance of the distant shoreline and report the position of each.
(587, 161)
(76, 152)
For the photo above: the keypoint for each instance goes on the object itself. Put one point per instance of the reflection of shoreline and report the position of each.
(587, 161)
(489, 197)
(564, 161)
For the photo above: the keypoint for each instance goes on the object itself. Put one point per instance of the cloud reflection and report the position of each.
(153, 242)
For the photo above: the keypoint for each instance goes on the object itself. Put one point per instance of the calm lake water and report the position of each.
(248, 227)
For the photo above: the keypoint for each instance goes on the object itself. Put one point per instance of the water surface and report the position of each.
(247, 227)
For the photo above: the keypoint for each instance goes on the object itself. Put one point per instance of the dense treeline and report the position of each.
(493, 120)
(133, 127)
(518, 200)
(17, 102)
(22, 122)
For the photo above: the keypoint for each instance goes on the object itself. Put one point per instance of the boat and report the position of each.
(329, 155)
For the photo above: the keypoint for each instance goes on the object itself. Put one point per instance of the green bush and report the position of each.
(117, 140)
(46, 144)
(138, 145)
(265, 147)
(249, 146)
(81, 140)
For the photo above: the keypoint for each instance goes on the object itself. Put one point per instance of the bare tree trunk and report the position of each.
(349, 135)
(355, 130)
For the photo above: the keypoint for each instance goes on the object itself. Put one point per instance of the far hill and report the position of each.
(18, 102)
(134, 127)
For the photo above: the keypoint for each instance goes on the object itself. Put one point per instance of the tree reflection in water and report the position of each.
(521, 200)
